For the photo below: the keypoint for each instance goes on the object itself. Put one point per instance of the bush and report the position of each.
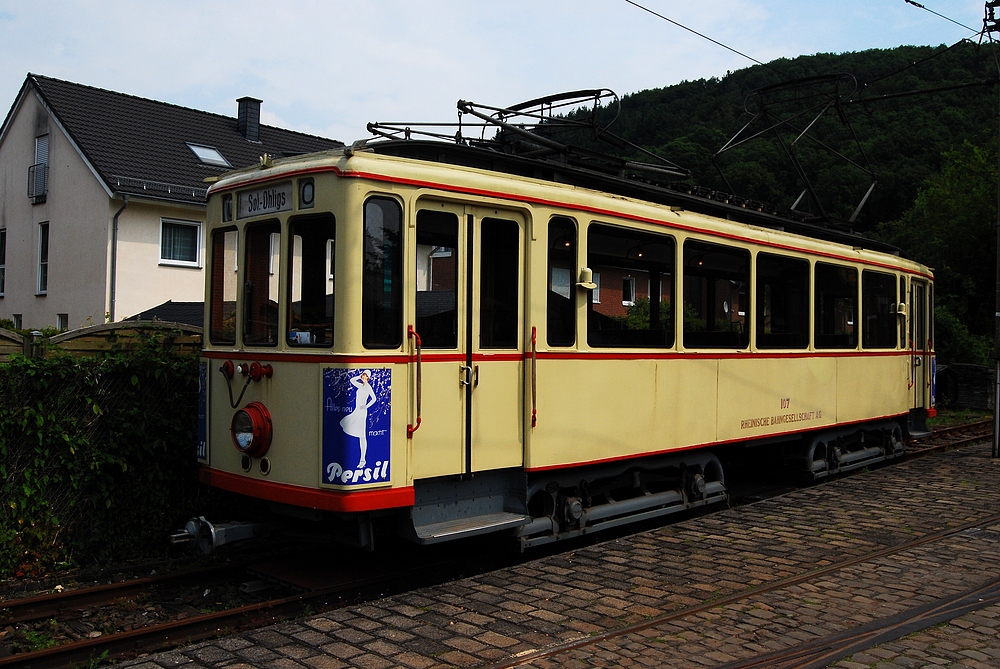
(953, 343)
(96, 455)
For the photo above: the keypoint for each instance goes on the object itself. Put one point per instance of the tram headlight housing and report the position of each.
(251, 430)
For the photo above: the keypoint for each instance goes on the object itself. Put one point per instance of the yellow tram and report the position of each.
(415, 335)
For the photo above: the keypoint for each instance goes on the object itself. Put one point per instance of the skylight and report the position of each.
(209, 155)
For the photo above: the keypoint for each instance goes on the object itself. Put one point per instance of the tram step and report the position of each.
(458, 527)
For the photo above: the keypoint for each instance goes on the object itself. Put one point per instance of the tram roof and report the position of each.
(612, 176)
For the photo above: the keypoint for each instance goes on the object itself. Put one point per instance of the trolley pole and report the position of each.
(991, 25)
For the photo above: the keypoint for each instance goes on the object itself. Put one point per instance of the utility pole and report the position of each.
(991, 26)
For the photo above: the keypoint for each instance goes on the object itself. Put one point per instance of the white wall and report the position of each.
(144, 280)
(80, 212)
(75, 210)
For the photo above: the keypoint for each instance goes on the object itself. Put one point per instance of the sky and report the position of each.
(329, 67)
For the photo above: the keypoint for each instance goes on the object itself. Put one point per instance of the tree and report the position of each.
(952, 228)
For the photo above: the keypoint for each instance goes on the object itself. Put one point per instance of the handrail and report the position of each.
(534, 384)
(412, 333)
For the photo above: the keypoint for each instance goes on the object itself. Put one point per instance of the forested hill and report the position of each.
(903, 137)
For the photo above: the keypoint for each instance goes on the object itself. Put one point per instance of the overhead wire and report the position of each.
(703, 36)
(926, 9)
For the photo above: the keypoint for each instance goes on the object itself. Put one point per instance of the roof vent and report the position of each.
(248, 118)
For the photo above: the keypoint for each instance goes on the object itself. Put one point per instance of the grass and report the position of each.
(950, 417)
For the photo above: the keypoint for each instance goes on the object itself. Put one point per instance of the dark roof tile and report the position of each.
(140, 146)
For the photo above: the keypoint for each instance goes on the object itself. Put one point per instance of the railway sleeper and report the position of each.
(823, 454)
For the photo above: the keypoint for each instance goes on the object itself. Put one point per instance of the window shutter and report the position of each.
(42, 150)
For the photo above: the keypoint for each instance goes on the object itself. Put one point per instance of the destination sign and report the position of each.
(268, 200)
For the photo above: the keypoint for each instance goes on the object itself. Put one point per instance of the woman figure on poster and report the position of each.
(356, 422)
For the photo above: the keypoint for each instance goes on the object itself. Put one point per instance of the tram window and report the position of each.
(311, 268)
(646, 263)
(716, 296)
(561, 317)
(498, 283)
(382, 290)
(782, 302)
(260, 287)
(437, 279)
(836, 297)
(878, 315)
(222, 301)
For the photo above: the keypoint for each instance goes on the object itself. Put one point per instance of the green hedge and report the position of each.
(96, 456)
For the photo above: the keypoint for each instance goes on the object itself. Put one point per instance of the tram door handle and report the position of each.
(917, 362)
(468, 375)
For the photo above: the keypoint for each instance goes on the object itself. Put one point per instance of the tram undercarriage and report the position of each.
(844, 449)
(544, 507)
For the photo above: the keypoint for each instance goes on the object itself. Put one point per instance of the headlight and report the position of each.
(251, 430)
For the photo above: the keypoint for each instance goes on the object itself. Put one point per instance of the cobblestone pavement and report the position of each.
(623, 603)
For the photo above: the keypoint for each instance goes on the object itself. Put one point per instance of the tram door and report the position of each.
(920, 359)
(468, 313)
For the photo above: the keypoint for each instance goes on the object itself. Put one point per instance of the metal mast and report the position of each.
(991, 25)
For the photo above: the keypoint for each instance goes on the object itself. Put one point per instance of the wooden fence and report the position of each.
(123, 335)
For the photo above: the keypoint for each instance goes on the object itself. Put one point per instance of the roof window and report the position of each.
(209, 155)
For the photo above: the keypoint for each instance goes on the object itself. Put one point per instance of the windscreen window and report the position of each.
(260, 287)
(641, 265)
(561, 294)
(716, 296)
(437, 279)
(782, 302)
(311, 268)
(382, 290)
(835, 303)
(222, 319)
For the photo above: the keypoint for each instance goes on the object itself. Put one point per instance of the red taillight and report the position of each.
(251, 429)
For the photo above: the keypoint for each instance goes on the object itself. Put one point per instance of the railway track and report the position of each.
(373, 578)
(945, 439)
(162, 635)
(821, 652)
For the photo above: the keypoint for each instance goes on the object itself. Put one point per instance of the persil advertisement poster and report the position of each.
(356, 426)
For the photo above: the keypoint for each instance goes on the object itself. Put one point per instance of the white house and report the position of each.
(102, 199)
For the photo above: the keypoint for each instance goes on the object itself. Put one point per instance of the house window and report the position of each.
(38, 182)
(62, 322)
(43, 259)
(209, 155)
(18, 325)
(628, 291)
(180, 243)
(3, 260)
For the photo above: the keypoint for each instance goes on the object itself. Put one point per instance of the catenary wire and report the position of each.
(695, 32)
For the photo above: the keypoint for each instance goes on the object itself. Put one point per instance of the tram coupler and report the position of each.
(206, 536)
